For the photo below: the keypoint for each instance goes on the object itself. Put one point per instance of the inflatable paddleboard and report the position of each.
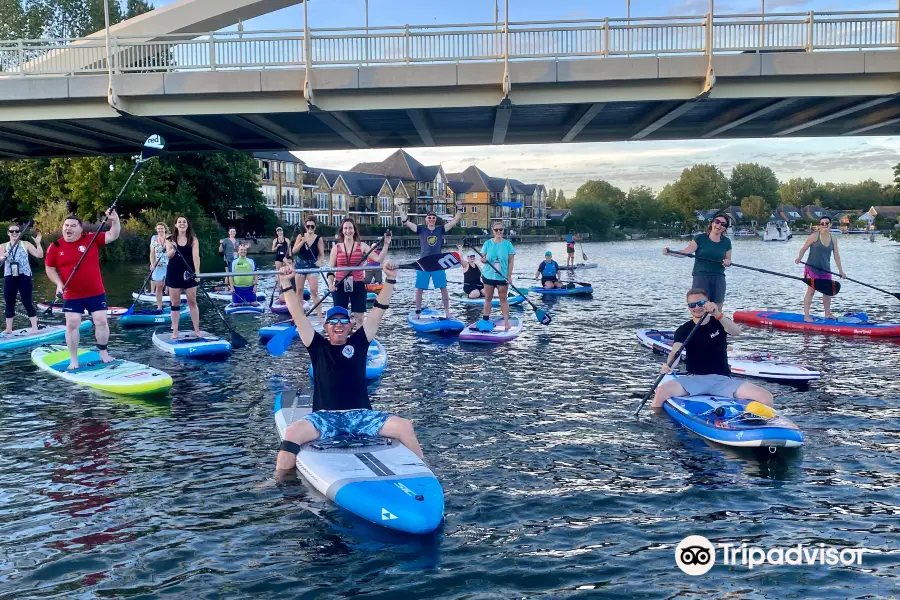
(497, 335)
(579, 266)
(374, 287)
(280, 307)
(225, 296)
(111, 311)
(150, 316)
(762, 366)
(188, 344)
(371, 296)
(578, 290)
(269, 331)
(148, 297)
(23, 338)
(725, 421)
(513, 300)
(855, 325)
(244, 309)
(433, 321)
(375, 478)
(120, 376)
(376, 361)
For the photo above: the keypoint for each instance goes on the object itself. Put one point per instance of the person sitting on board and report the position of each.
(548, 272)
(243, 287)
(712, 252)
(17, 276)
(571, 238)
(340, 395)
(707, 357)
(85, 291)
(431, 239)
(821, 244)
(472, 284)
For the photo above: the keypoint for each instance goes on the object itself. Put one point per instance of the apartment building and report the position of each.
(483, 197)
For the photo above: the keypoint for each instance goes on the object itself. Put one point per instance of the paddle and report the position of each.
(894, 294)
(130, 310)
(824, 286)
(279, 342)
(543, 316)
(150, 150)
(671, 361)
(580, 245)
(237, 340)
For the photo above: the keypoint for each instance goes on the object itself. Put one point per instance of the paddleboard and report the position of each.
(188, 344)
(225, 295)
(244, 309)
(724, 420)
(578, 290)
(375, 478)
(120, 376)
(795, 322)
(111, 311)
(497, 335)
(280, 307)
(371, 296)
(374, 287)
(23, 338)
(759, 365)
(147, 297)
(579, 266)
(376, 361)
(269, 331)
(433, 321)
(513, 300)
(150, 316)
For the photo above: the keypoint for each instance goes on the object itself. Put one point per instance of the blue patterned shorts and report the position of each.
(332, 423)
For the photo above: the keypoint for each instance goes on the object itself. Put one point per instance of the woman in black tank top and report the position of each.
(309, 253)
(472, 284)
(183, 250)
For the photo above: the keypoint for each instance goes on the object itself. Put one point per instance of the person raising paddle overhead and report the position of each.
(81, 289)
(340, 396)
(707, 357)
(715, 247)
(820, 244)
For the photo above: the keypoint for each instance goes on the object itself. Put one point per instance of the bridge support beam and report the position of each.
(732, 120)
(420, 122)
(806, 123)
(582, 119)
(342, 125)
(664, 119)
(252, 123)
(879, 121)
(38, 135)
(501, 121)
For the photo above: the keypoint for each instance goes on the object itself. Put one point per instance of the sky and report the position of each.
(625, 164)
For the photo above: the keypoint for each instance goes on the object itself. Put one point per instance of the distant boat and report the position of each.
(777, 231)
(745, 233)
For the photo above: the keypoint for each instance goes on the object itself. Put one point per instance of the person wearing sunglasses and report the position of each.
(821, 244)
(707, 357)
(17, 275)
(348, 288)
(500, 255)
(713, 253)
(548, 272)
(473, 286)
(431, 240)
(340, 395)
(309, 253)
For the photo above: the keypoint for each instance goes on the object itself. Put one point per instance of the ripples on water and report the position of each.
(552, 488)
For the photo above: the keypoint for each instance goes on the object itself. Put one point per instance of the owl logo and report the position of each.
(348, 351)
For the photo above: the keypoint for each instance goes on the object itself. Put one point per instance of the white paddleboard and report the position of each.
(22, 338)
(187, 344)
(471, 333)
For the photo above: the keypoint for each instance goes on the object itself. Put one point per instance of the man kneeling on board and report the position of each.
(548, 272)
(707, 357)
(340, 395)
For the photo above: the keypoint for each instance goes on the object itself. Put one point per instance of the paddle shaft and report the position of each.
(894, 294)
(676, 356)
(712, 260)
(346, 274)
(143, 285)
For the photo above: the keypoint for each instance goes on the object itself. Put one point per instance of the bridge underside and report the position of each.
(451, 105)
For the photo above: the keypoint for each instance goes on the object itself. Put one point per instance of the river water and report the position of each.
(553, 489)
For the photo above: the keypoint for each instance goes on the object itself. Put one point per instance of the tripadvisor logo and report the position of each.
(695, 555)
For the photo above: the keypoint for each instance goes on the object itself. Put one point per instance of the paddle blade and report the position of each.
(543, 316)
(828, 287)
(152, 147)
(435, 262)
(129, 312)
(280, 342)
(237, 340)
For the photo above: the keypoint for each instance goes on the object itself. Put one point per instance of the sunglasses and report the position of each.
(310, 226)
(720, 223)
(825, 223)
(495, 229)
(697, 304)
(12, 231)
(338, 321)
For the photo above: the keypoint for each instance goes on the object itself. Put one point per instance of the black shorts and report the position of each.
(471, 287)
(91, 304)
(304, 263)
(545, 279)
(355, 301)
(570, 249)
(495, 282)
(279, 256)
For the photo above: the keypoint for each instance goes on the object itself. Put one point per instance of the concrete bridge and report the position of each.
(708, 76)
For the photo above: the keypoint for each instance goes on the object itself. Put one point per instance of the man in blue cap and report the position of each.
(548, 272)
(340, 396)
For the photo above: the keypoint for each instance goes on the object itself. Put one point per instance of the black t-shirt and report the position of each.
(340, 372)
(707, 352)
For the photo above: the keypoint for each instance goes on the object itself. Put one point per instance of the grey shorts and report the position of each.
(714, 286)
(714, 385)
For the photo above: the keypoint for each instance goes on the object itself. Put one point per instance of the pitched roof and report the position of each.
(459, 187)
(886, 211)
(400, 164)
(358, 184)
(283, 156)
(479, 179)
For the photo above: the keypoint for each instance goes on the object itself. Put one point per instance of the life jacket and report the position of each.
(243, 265)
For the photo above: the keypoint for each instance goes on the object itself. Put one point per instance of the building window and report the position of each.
(267, 173)
(398, 221)
(289, 197)
(474, 209)
(463, 223)
(385, 221)
(338, 203)
(385, 204)
(322, 200)
(336, 220)
(289, 173)
(271, 194)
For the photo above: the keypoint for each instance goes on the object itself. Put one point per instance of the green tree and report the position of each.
(590, 215)
(602, 191)
(700, 187)
(561, 201)
(897, 176)
(798, 191)
(756, 209)
(551, 198)
(752, 179)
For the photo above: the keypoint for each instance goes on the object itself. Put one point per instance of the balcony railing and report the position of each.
(647, 36)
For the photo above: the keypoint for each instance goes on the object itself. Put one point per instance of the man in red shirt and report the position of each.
(85, 291)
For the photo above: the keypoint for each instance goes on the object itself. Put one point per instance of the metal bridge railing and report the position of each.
(654, 36)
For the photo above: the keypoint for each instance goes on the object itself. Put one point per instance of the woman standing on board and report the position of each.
(500, 255)
(158, 262)
(348, 251)
(821, 244)
(715, 247)
(183, 250)
(309, 253)
(17, 274)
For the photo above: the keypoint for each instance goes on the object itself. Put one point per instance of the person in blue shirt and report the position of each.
(548, 272)
(571, 238)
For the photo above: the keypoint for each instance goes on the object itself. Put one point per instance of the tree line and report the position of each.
(599, 206)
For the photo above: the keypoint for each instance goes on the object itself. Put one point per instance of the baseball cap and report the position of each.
(471, 253)
(548, 253)
(336, 310)
(431, 213)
